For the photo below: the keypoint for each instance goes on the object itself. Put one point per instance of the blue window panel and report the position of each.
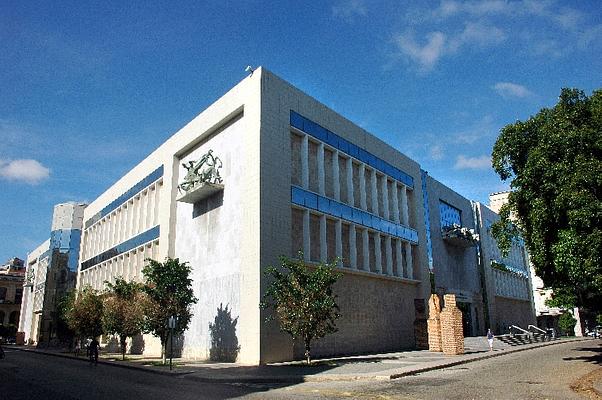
(449, 215)
(296, 120)
(128, 245)
(335, 208)
(297, 196)
(377, 223)
(153, 176)
(346, 212)
(380, 165)
(371, 160)
(366, 219)
(311, 200)
(343, 145)
(356, 216)
(362, 155)
(354, 151)
(323, 204)
(333, 140)
(320, 133)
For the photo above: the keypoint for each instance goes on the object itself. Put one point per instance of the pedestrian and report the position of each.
(77, 347)
(94, 345)
(88, 341)
(490, 339)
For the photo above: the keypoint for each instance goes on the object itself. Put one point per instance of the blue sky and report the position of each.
(87, 90)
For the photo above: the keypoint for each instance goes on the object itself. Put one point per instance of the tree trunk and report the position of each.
(164, 350)
(122, 340)
(307, 351)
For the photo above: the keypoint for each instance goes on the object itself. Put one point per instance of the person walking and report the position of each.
(490, 339)
(94, 345)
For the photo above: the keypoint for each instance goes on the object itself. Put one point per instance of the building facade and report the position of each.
(51, 272)
(286, 174)
(12, 274)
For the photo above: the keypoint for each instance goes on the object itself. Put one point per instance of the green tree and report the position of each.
(169, 290)
(303, 299)
(567, 323)
(554, 164)
(124, 306)
(83, 313)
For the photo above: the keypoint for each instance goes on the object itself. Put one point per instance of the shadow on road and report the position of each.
(595, 358)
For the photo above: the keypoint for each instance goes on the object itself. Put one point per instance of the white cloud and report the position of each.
(436, 152)
(438, 44)
(463, 162)
(509, 89)
(349, 9)
(425, 56)
(25, 170)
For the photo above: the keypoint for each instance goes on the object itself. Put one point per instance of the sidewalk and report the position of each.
(370, 367)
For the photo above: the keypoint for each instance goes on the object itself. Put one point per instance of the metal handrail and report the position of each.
(537, 329)
(519, 329)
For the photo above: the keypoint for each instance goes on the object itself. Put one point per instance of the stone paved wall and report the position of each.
(434, 324)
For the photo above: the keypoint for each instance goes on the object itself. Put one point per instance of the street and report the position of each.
(29, 376)
(542, 373)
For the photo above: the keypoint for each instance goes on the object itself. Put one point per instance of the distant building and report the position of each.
(12, 274)
(547, 317)
(51, 272)
(491, 291)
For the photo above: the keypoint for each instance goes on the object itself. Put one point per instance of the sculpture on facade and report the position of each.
(205, 170)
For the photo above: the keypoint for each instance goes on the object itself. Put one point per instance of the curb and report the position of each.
(107, 362)
(415, 370)
(482, 357)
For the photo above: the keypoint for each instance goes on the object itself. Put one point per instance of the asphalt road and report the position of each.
(543, 373)
(30, 376)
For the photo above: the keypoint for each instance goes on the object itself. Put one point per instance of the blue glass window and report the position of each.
(449, 215)
(128, 245)
(300, 122)
(331, 207)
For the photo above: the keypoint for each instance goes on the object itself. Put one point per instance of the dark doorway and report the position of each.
(466, 318)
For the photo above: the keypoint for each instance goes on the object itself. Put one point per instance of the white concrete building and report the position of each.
(296, 175)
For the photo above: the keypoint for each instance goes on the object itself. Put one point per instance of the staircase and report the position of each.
(519, 336)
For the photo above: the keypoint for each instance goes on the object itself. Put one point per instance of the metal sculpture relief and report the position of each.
(205, 170)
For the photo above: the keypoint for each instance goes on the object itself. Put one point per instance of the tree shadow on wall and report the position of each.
(224, 343)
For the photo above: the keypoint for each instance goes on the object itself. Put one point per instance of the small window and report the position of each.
(2, 294)
(449, 215)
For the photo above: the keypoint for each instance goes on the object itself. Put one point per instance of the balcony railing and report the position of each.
(459, 236)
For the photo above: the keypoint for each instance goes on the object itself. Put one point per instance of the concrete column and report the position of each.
(323, 247)
(366, 249)
(385, 193)
(306, 236)
(395, 200)
(374, 190)
(349, 165)
(362, 192)
(378, 265)
(336, 189)
(352, 247)
(338, 237)
(304, 162)
(321, 184)
(399, 254)
(405, 220)
(409, 263)
(388, 256)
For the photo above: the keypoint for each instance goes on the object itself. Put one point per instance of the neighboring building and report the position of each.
(547, 317)
(12, 275)
(455, 257)
(51, 272)
(507, 279)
